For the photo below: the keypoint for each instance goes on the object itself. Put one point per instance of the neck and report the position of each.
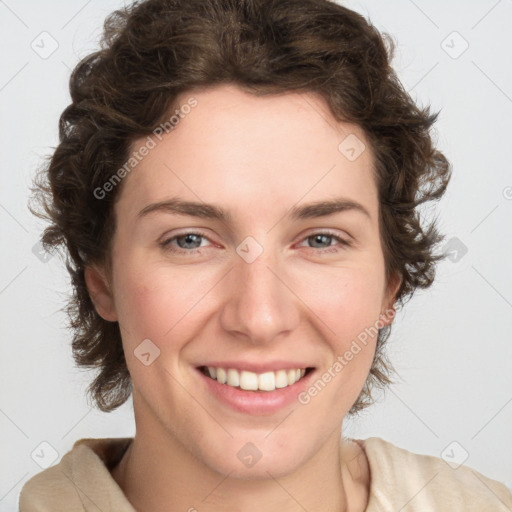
(158, 473)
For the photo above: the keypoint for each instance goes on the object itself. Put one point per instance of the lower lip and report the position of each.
(256, 402)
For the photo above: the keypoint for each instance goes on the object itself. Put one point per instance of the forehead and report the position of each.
(247, 150)
(228, 108)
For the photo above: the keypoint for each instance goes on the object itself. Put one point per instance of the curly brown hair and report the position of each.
(153, 50)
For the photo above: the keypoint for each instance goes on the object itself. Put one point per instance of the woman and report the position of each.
(237, 185)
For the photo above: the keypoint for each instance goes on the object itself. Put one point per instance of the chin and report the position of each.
(253, 460)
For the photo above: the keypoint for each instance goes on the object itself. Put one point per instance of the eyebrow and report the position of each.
(210, 211)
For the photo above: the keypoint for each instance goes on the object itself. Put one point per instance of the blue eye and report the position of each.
(186, 242)
(322, 238)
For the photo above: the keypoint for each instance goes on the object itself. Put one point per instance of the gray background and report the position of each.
(451, 345)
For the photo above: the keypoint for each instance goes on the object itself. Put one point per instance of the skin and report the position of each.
(256, 157)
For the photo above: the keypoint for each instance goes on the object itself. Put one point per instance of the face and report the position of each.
(271, 285)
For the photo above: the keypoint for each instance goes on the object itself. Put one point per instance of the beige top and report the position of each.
(400, 480)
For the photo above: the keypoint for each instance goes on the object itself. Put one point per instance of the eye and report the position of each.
(324, 239)
(185, 242)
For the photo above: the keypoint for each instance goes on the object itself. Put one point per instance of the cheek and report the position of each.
(153, 301)
(347, 300)
(348, 304)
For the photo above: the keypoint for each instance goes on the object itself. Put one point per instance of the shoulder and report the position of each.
(414, 482)
(79, 481)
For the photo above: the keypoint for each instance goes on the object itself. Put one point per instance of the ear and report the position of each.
(100, 293)
(388, 309)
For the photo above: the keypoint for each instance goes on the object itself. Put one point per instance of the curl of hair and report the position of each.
(154, 50)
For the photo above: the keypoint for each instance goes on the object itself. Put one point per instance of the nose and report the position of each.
(259, 304)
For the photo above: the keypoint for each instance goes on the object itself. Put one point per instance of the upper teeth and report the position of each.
(251, 381)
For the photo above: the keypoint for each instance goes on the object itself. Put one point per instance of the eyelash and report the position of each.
(166, 244)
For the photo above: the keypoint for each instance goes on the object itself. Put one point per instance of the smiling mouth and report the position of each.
(250, 381)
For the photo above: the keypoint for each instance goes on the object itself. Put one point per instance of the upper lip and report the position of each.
(257, 367)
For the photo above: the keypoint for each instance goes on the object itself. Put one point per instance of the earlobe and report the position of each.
(388, 314)
(100, 293)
